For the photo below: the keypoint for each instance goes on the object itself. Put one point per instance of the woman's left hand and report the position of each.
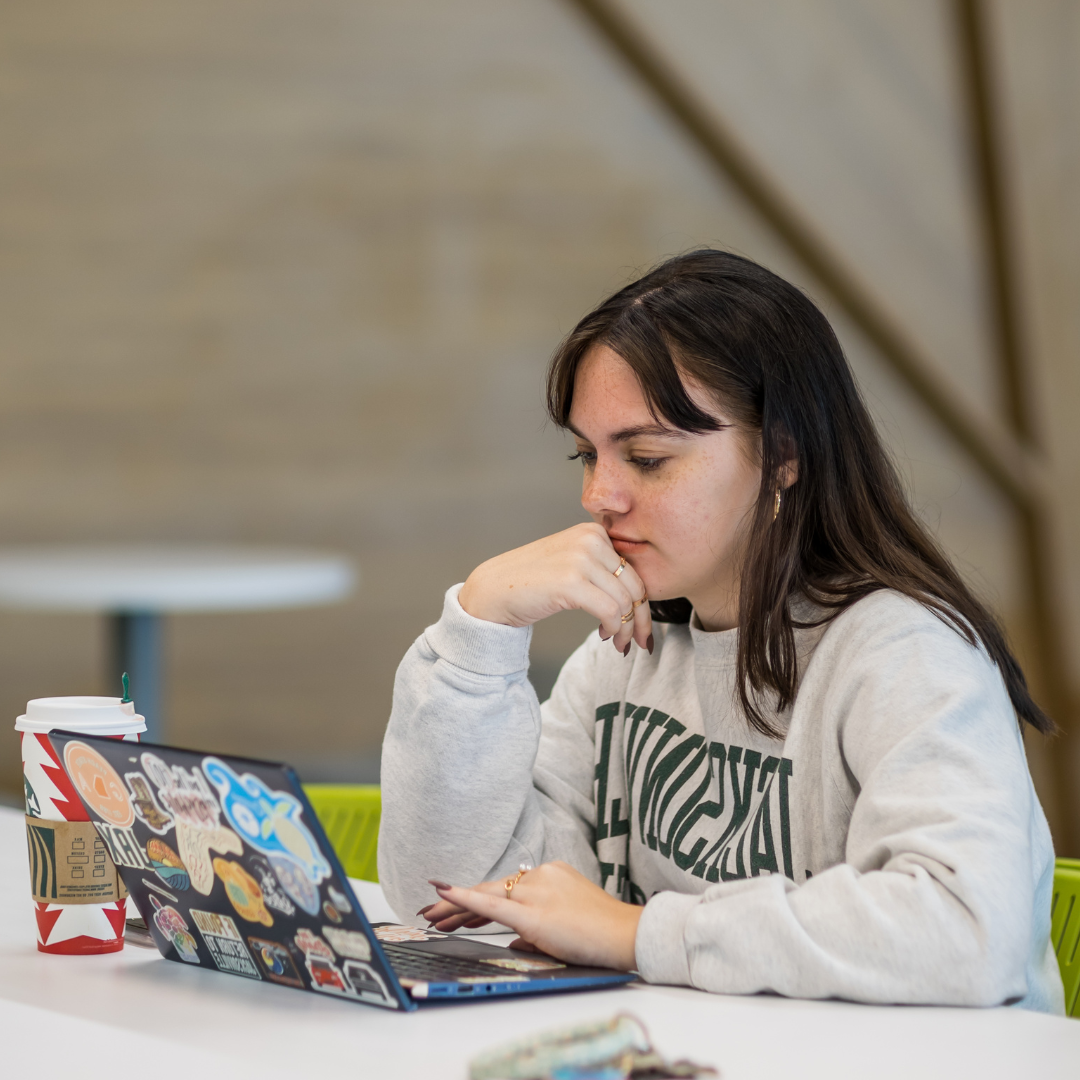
(553, 909)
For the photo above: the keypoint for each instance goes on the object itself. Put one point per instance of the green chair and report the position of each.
(349, 813)
(1065, 929)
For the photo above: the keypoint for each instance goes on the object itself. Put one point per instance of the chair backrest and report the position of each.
(350, 815)
(1065, 929)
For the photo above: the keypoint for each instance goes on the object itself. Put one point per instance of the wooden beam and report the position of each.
(1046, 630)
(1002, 451)
(1009, 464)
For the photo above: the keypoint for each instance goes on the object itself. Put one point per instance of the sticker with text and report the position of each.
(98, 784)
(183, 792)
(227, 948)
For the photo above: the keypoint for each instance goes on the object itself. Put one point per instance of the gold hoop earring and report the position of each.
(776, 505)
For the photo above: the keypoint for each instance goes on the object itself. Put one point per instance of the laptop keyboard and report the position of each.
(434, 967)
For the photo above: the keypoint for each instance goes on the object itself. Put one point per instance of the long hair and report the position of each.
(770, 359)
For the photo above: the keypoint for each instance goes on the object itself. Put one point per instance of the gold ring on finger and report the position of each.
(628, 616)
(510, 882)
(638, 603)
(620, 568)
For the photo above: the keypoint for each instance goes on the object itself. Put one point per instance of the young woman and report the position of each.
(790, 760)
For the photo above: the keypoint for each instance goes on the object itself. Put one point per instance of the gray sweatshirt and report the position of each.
(890, 848)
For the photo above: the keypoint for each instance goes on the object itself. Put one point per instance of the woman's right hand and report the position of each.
(571, 569)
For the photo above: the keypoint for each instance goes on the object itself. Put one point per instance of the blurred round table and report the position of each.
(135, 586)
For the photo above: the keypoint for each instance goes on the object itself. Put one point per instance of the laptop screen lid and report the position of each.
(229, 866)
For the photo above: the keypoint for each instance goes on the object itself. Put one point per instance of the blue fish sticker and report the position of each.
(270, 821)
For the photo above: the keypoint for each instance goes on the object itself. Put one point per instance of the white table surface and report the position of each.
(165, 579)
(134, 1014)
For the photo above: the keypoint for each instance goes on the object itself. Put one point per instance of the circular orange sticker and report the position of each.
(98, 784)
(243, 892)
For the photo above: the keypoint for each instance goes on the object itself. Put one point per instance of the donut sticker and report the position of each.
(243, 892)
(98, 784)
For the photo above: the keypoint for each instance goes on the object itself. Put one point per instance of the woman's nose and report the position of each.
(604, 490)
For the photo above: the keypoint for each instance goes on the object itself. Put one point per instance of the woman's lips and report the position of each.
(626, 547)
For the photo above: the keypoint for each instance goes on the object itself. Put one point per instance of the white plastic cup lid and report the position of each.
(86, 715)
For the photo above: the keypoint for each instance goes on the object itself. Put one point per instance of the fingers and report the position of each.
(625, 594)
(441, 910)
(456, 922)
(488, 907)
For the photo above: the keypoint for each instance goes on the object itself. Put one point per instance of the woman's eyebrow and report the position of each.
(639, 431)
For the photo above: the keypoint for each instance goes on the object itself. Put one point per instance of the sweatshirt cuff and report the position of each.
(476, 645)
(660, 946)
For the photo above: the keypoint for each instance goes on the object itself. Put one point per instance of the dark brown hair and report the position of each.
(775, 367)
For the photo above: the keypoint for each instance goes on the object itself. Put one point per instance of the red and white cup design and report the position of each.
(72, 929)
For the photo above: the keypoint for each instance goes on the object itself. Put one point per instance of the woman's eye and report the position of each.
(586, 457)
(648, 464)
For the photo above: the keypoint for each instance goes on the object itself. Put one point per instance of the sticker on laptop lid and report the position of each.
(272, 891)
(99, 784)
(311, 944)
(124, 847)
(348, 942)
(270, 821)
(173, 927)
(227, 948)
(295, 884)
(145, 805)
(367, 983)
(243, 892)
(339, 900)
(183, 793)
(196, 843)
(275, 962)
(167, 864)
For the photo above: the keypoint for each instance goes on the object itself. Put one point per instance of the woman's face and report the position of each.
(675, 504)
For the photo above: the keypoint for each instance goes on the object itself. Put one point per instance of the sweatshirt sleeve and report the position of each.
(461, 800)
(934, 900)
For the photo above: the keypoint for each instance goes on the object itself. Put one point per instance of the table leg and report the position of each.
(136, 649)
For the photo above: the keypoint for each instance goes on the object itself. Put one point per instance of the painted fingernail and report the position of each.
(425, 910)
(649, 644)
(626, 651)
(439, 885)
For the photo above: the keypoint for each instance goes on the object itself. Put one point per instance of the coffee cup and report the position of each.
(78, 896)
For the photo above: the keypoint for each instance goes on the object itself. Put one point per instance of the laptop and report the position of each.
(231, 871)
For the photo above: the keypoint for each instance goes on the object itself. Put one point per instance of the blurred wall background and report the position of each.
(289, 272)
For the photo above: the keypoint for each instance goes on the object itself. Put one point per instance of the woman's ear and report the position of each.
(789, 473)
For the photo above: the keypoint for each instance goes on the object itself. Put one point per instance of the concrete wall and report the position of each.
(289, 272)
